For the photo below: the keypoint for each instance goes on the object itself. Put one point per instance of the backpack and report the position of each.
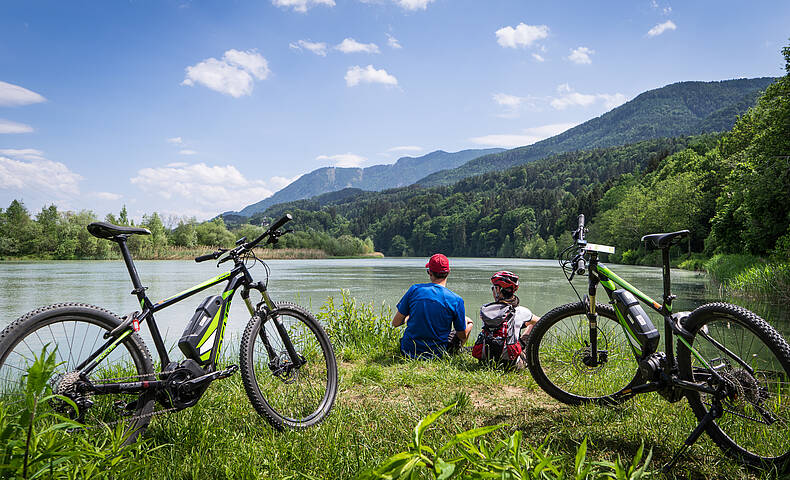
(498, 340)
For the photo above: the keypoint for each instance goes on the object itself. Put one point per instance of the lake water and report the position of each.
(27, 285)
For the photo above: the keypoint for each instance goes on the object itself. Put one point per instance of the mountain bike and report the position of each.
(731, 366)
(288, 366)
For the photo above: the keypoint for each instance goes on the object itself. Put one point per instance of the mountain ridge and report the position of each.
(405, 171)
(677, 109)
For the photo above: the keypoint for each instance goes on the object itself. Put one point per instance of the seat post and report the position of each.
(667, 292)
(127, 258)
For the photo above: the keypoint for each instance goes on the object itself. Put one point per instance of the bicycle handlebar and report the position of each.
(271, 233)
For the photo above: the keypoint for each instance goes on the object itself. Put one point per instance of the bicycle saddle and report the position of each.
(108, 230)
(664, 240)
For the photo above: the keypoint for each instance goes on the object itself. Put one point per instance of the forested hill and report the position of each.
(405, 171)
(487, 215)
(685, 108)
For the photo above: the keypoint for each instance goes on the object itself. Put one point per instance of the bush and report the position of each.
(357, 326)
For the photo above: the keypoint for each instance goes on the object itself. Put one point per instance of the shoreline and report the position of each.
(263, 254)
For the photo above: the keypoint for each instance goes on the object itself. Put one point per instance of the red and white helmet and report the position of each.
(505, 280)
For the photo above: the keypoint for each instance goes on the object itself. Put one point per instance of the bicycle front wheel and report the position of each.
(75, 332)
(287, 393)
(751, 362)
(560, 357)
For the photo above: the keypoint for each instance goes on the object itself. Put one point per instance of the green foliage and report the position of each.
(725, 267)
(753, 211)
(467, 455)
(63, 235)
(40, 443)
(354, 326)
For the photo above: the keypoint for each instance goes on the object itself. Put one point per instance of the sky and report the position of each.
(192, 108)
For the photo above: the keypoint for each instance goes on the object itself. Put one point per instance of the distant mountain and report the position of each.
(685, 108)
(405, 171)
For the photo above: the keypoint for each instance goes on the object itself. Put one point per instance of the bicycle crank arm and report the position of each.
(198, 382)
(638, 389)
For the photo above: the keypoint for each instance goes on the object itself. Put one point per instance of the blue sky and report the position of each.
(197, 107)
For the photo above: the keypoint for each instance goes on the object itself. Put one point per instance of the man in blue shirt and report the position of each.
(433, 314)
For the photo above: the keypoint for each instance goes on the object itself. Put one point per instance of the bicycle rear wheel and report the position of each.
(75, 331)
(753, 362)
(559, 357)
(288, 395)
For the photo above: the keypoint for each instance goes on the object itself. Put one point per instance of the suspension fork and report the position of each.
(269, 306)
(592, 316)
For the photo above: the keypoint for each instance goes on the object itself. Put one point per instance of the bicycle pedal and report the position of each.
(230, 370)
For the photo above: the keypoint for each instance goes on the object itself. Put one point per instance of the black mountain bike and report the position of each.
(732, 366)
(287, 363)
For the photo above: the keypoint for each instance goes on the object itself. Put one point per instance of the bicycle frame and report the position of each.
(600, 273)
(238, 277)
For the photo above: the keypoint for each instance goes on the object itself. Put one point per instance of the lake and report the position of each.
(27, 285)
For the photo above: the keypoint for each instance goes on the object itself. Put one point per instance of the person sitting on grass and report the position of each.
(436, 322)
(506, 325)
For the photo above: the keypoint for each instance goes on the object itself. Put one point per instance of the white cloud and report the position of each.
(233, 75)
(508, 100)
(570, 98)
(667, 10)
(7, 126)
(302, 5)
(522, 36)
(538, 57)
(661, 28)
(200, 185)
(319, 48)
(26, 170)
(175, 140)
(413, 4)
(349, 45)
(108, 196)
(343, 160)
(23, 153)
(13, 95)
(356, 75)
(187, 152)
(405, 148)
(581, 55)
(393, 42)
(528, 137)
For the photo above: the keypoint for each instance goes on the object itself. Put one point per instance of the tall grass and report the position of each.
(751, 277)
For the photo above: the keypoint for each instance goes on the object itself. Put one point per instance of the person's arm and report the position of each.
(399, 319)
(462, 321)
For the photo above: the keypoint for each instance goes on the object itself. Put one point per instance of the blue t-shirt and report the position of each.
(433, 310)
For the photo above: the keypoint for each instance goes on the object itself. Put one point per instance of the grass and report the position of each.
(751, 277)
(383, 396)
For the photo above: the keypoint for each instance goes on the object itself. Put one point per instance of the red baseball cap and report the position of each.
(438, 263)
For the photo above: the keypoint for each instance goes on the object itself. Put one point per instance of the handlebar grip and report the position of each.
(279, 223)
(581, 220)
(203, 258)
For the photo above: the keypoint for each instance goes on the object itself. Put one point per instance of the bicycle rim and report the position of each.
(755, 425)
(559, 352)
(287, 395)
(73, 335)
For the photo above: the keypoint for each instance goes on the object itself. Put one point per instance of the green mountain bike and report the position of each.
(731, 366)
(288, 367)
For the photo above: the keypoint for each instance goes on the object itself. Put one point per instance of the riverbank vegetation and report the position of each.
(381, 399)
(59, 235)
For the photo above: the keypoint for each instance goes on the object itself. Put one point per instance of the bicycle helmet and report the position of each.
(505, 280)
